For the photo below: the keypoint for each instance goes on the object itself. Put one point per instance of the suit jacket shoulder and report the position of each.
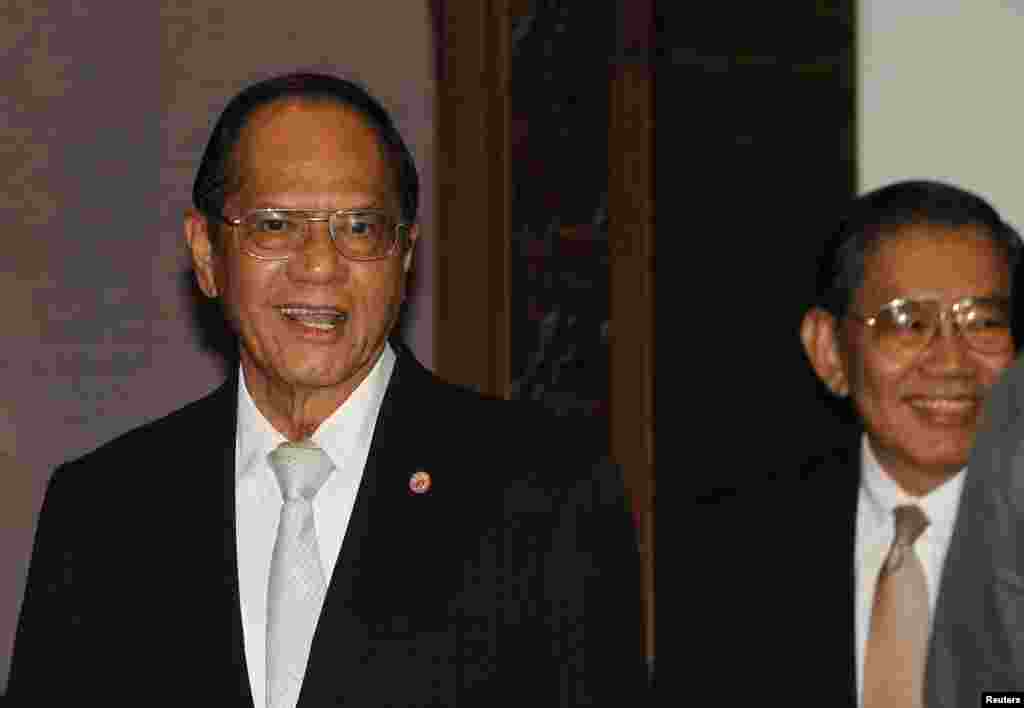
(513, 578)
(110, 574)
(544, 526)
(153, 446)
(515, 448)
(780, 604)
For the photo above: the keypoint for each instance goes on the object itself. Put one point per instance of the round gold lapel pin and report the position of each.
(419, 483)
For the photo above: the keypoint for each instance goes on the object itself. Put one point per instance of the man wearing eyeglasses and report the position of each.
(840, 566)
(334, 525)
(913, 325)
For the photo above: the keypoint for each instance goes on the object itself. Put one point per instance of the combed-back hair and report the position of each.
(216, 179)
(881, 213)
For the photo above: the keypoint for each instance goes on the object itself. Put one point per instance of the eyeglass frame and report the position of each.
(321, 215)
(945, 313)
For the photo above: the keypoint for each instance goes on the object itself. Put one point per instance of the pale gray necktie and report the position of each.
(898, 643)
(296, 589)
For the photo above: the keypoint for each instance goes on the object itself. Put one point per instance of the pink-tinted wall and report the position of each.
(107, 107)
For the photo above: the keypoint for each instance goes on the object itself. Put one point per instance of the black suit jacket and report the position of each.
(778, 604)
(513, 581)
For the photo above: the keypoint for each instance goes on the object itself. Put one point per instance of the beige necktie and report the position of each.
(898, 642)
(296, 589)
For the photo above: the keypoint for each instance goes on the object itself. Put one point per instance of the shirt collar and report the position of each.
(883, 495)
(350, 427)
(347, 428)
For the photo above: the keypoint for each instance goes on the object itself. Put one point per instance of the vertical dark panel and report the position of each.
(756, 157)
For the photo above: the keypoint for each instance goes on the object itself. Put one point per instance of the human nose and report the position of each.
(318, 258)
(948, 350)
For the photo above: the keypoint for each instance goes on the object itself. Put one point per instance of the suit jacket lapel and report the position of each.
(380, 556)
(851, 494)
(228, 416)
(830, 491)
(198, 563)
(841, 514)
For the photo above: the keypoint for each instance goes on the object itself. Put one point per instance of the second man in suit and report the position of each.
(835, 572)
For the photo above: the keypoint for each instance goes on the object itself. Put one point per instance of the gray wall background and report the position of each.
(106, 109)
(938, 96)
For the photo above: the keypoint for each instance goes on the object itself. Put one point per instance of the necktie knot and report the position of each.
(301, 469)
(910, 522)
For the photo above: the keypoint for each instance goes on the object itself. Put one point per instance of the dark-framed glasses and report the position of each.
(360, 234)
(905, 327)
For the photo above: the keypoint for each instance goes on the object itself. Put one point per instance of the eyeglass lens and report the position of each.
(907, 328)
(359, 235)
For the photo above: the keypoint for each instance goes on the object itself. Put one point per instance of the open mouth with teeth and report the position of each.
(322, 318)
(946, 410)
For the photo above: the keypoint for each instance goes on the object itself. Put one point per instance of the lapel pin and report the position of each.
(419, 483)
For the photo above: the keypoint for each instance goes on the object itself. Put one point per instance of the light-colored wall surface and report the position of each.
(940, 95)
(106, 110)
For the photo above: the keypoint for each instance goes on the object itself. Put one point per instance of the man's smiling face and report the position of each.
(921, 413)
(317, 320)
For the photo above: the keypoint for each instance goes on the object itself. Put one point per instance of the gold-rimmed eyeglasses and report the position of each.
(360, 234)
(905, 327)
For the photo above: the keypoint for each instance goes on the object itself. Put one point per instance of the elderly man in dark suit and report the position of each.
(334, 525)
(831, 575)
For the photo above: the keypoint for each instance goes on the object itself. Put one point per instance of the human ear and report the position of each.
(200, 246)
(411, 236)
(820, 337)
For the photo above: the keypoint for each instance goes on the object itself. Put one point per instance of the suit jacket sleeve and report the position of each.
(977, 641)
(87, 619)
(47, 637)
(580, 633)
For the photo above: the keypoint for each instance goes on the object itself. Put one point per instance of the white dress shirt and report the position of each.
(879, 495)
(345, 436)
